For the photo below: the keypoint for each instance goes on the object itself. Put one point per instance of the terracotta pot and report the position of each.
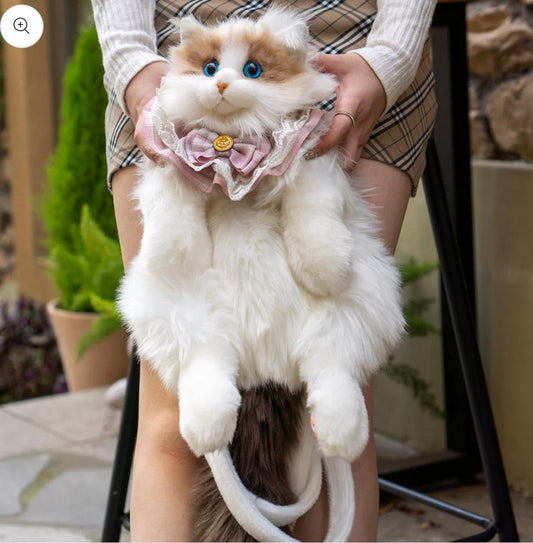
(102, 364)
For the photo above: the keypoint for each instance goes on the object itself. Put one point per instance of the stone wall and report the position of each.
(500, 50)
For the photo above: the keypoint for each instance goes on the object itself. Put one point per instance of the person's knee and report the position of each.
(160, 433)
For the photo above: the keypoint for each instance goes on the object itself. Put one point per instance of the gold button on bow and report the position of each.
(223, 143)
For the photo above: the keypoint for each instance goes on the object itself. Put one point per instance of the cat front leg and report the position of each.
(176, 242)
(318, 243)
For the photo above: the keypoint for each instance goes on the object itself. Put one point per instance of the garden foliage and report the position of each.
(77, 169)
(84, 255)
(29, 359)
(417, 325)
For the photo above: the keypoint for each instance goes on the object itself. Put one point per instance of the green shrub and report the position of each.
(416, 326)
(94, 268)
(77, 169)
(84, 255)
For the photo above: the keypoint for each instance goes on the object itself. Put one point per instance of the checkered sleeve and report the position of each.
(394, 46)
(128, 39)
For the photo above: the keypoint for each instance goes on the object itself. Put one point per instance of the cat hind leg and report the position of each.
(338, 414)
(209, 399)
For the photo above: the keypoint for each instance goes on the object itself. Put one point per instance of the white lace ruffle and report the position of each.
(286, 141)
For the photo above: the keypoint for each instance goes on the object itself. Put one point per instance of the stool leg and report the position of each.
(461, 316)
(124, 456)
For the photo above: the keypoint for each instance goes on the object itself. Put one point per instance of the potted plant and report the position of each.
(84, 253)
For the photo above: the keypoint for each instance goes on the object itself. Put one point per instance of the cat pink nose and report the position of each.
(222, 87)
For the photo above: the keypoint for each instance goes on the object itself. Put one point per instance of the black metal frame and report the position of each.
(461, 459)
(452, 137)
(488, 524)
(115, 516)
(471, 370)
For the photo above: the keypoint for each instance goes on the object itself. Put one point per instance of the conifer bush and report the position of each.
(84, 254)
(77, 169)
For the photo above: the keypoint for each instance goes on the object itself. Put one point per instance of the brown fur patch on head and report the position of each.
(279, 62)
(192, 55)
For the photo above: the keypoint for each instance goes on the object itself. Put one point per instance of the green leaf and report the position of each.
(100, 329)
(106, 307)
(81, 302)
(98, 246)
(412, 270)
(68, 271)
(77, 170)
(419, 305)
(83, 242)
(417, 325)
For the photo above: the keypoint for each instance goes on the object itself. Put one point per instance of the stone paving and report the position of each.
(56, 455)
(55, 464)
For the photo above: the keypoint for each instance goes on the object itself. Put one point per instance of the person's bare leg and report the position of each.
(387, 189)
(164, 468)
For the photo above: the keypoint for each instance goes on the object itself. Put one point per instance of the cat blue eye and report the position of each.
(211, 68)
(252, 69)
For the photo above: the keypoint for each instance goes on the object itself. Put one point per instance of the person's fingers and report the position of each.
(142, 142)
(328, 63)
(359, 93)
(337, 133)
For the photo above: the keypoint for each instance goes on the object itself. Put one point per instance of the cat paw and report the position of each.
(341, 428)
(322, 261)
(208, 417)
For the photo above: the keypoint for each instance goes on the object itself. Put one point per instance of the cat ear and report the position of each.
(288, 27)
(187, 26)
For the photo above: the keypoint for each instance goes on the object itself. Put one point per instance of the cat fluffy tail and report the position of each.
(267, 434)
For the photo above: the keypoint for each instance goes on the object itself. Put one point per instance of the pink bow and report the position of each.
(250, 159)
(244, 156)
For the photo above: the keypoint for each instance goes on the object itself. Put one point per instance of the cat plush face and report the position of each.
(241, 77)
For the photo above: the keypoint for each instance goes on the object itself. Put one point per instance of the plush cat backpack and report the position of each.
(261, 294)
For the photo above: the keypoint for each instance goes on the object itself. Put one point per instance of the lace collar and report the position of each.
(237, 165)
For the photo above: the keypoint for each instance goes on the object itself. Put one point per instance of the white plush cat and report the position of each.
(259, 267)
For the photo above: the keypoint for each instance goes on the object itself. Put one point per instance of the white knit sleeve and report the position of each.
(127, 36)
(395, 43)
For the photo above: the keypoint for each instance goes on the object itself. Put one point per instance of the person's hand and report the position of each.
(140, 90)
(360, 93)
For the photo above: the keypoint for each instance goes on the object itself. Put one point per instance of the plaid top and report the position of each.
(336, 26)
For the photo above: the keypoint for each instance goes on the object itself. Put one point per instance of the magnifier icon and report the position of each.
(20, 24)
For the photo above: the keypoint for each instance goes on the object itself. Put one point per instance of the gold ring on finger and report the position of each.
(347, 114)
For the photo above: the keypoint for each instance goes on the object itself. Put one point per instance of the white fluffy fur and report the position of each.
(291, 284)
(248, 106)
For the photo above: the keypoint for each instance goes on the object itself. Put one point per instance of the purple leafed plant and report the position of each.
(29, 359)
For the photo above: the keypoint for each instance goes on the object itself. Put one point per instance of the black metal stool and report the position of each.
(451, 271)
(472, 372)
(115, 515)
